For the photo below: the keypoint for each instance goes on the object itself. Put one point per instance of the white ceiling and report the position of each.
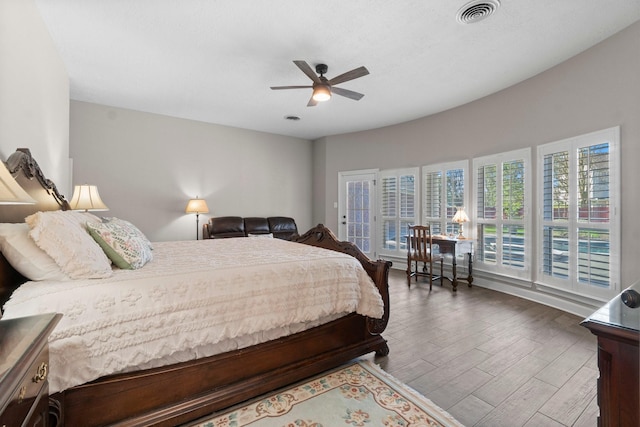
(215, 60)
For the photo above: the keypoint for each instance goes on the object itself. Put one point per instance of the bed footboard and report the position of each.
(378, 270)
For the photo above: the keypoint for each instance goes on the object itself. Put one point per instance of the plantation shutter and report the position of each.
(444, 190)
(432, 196)
(503, 191)
(389, 186)
(398, 200)
(579, 238)
(455, 190)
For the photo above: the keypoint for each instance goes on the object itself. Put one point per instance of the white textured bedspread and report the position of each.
(194, 299)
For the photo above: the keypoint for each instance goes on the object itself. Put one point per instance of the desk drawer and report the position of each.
(25, 402)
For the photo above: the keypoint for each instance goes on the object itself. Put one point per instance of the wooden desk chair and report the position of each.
(419, 250)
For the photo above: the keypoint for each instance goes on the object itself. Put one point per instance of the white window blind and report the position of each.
(399, 190)
(579, 234)
(501, 203)
(444, 189)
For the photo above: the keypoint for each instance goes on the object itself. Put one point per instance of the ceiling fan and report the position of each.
(323, 87)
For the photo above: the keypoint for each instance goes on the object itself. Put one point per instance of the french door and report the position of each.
(356, 209)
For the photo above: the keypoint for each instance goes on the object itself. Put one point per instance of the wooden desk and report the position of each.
(449, 245)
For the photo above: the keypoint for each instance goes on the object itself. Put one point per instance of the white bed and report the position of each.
(209, 296)
(173, 339)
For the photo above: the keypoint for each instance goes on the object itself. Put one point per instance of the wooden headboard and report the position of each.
(28, 174)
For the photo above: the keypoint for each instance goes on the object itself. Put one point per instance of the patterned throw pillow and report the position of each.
(123, 243)
(63, 236)
(134, 230)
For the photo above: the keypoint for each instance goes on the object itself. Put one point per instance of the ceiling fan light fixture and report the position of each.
(321, 92)
(324, 88)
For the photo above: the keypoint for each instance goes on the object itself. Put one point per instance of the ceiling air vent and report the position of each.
(476, 11)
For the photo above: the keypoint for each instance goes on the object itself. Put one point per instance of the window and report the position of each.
(579, 234)
(399, 189)
(443, 191)
(502, 203)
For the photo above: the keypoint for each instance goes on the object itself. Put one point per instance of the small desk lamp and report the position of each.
(10, 191)
(460, 217)
(86, 198)
(197, 206)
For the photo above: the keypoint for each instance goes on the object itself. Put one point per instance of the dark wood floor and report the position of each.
(491, 359)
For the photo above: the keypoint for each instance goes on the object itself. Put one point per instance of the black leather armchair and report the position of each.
(282, 227)
(224, 226)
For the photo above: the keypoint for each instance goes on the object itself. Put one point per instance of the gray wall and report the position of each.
(34, 91)
(597, 89)
(148, 166)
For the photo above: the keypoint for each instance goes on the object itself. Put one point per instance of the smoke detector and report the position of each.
(476, 11)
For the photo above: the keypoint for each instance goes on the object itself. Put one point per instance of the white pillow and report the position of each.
(264, 235)
(27, 258)
(63, 236)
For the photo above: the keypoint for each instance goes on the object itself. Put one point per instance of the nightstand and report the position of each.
(24, 367)
(617, 327)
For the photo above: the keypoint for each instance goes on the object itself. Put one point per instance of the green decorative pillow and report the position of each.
(122, 242)
(128, 225)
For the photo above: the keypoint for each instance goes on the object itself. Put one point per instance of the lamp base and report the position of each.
(460, 235)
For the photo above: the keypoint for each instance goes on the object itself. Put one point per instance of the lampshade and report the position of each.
(86, 198)
(460, 216)
(197, 206)
(10, 191)
(321, 92)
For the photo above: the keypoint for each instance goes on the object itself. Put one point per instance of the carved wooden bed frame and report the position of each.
(183, 392)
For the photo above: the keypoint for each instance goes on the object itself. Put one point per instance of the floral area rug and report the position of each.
(356, 395)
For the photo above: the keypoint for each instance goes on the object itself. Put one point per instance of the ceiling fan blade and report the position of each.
(290, 87)
(347, 93)
(349, 75)
(312, 102)
(308, 71)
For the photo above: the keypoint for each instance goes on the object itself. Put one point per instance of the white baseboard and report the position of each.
(526, 290)
(531, 294)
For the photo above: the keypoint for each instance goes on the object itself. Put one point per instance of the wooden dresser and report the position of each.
(617, 327)
(24, 367)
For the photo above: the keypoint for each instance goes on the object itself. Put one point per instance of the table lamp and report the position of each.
(460, 217)
(86, 198)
